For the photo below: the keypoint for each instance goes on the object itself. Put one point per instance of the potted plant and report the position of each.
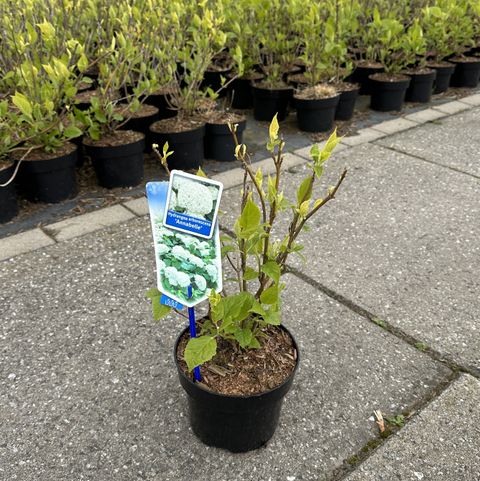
(196, 48)
(439, 33)
(110, 141)
(238, 410)
(273, 30)
(421, 77)
(316, 102)
(390, 87)
(467, 68)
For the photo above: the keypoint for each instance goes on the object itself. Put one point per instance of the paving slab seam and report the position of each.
(454, 169)
(352, 463)
(391, 329)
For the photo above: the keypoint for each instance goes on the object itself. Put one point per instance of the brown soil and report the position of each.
(462, 59)
(176, 124)
(145, 110)
(440, 64)
(5, 164)
(388, 77)
(85, 96)
(321, 91)
(38, 154)
(218, 117)
(420, 71)
(297, 78)
(366, 64)
(235, 371)
(266, 85)
(292, 69)
(167, 90)
(252, 76)
(345, 86)
(120, 137)
(221, 63)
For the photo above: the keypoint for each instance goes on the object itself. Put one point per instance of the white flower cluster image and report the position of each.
(193, 198)
(185, 260)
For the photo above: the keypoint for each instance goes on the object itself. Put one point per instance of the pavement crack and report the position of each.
(418, 344)
(403, 152)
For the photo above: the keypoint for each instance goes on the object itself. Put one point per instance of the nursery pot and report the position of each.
(118, 164)
(268, 102)
(8, 196)
(361, 75)
(159, 100)
(49, 179)
(421, 86)
(187, 146)
(236, 423)
(388, 94)
(213, 79)
(444, 73)
(467, 72)
(141, 123)
(241, 92)
(346, 103)
(316, 115)
(219, 143)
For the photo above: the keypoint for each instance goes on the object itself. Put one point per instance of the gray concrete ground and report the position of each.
(88, 389)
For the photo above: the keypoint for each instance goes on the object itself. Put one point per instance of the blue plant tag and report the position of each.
(168, 301)
(192, 204)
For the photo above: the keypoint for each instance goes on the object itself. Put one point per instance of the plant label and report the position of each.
(183, 260)
(168, 301)
(193, 203)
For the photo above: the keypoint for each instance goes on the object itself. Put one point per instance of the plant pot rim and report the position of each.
(399, 78)
(423, 72)
(194, 385)
(441, 65)
(90, 143)
(200, 125)
(6, 164)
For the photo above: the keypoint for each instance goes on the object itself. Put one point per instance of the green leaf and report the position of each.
(153, 292)
(249, 220)
(71, 132)
(273, 129)
(304, 208)
(159, 310)
(201, 173)
(199, 350)
(243, 336)
(270, 296)
(272, 269)
(304, 192)
(250, 274)
(22, 103)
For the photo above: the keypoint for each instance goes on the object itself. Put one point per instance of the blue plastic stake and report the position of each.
(193, 332)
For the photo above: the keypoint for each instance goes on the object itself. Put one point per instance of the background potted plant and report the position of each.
(235, 410)
(316, 101)
(201, 40)
(124, 80)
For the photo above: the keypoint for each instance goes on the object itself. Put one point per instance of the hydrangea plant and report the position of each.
(257, 258)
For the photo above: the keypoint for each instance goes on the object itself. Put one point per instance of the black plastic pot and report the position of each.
(187, 147)
(267, 103)
(346, 104)
(316, 115)
(241, 92)
(236, 423)
(8, 195)
(421, 86)
(388, 96)
(361, 75)
(213, 79)
(219, 143)
(160, 101)
(444, 74)
(50, 180)
(118, 165)
(467, 73)
(142, 124)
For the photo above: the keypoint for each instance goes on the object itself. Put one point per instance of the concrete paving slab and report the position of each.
(393, 126)
(453, 107)
(24, 242)
(441, 443)
(471, 100)
(455, 142)
(427, 115)
(363, 136)
(88, 389)
(137, 206)
(83, 224)
(400, 240)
